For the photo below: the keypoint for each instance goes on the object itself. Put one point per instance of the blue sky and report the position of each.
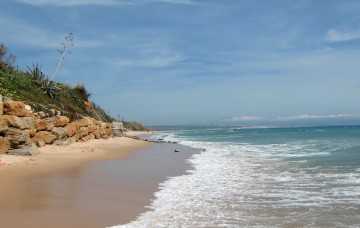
(199, 61)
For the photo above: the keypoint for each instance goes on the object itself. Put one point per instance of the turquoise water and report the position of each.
(280, 177)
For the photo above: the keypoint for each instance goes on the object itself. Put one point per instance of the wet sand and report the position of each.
(105, 190)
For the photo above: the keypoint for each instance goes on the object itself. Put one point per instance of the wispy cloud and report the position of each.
(312, 117)
(67, 3)
(21, 32)
(289, 118)
(152, 55)
(244, 118)
(334, 35)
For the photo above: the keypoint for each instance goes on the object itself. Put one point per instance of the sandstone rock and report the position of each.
(87, 138)
(81, 133)
(42, 114)
(85, 122)
(3, 126)
(17, 138)
(45, 136)
(66, 142)
(71, 129)
(53, 112)
(16, 108)
(31, 132)
(91, 129)
(40, 143)
(61, 121)
(29, 122)
(40, 124)
(107, 131)
(97, 134)
(28, 151)
(50, 123)
(4, 145)
(59, 132)
(12, 121)
(44, 124)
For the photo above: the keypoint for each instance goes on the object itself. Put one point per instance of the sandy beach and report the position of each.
(93, 184)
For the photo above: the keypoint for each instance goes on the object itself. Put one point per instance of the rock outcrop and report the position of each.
(22, 131)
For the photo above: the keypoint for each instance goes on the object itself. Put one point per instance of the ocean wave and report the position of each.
(236, 184)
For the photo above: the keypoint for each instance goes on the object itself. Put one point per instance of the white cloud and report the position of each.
(290, 118)
(309, 117)
(151, 61)
(67, 3)
(244, 118)
(334, 35)
(26, 34)
(151, 55)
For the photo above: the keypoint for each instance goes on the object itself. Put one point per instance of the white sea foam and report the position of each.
(239, 184)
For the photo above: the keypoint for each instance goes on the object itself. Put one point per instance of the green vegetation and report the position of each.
(34, 88)
(134, 126)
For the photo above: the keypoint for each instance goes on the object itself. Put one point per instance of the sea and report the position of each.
(262, 177)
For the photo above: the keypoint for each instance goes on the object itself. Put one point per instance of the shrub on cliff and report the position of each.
(134, 126)
(34, 88)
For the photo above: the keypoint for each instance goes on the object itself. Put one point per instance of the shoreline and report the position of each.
(105, 183)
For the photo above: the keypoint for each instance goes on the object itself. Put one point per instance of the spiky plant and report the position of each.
(51, 89)
(36, 73)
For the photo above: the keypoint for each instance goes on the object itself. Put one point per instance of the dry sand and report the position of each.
(94, 184)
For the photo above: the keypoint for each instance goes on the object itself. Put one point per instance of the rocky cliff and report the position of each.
(22, 130)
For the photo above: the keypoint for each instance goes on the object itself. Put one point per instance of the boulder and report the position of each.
(12, 121)
(71, 129)
(44, 124)
(107, 131)
(3, 126)
(61, 121)
(28, 151)
(40, 143)
(97, 122)
(31, 132)
(85, 122)
(91, 129)
(4, 145)
(81, 133)
(66, 142)
(87, 138)
(97, 134)
(42, 114)
(17, 138)
(16, 108)
(45, 136)
(59, 132)
(40, 124)
(29, 122)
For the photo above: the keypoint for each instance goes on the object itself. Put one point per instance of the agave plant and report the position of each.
(36, 73)
(51, 90)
